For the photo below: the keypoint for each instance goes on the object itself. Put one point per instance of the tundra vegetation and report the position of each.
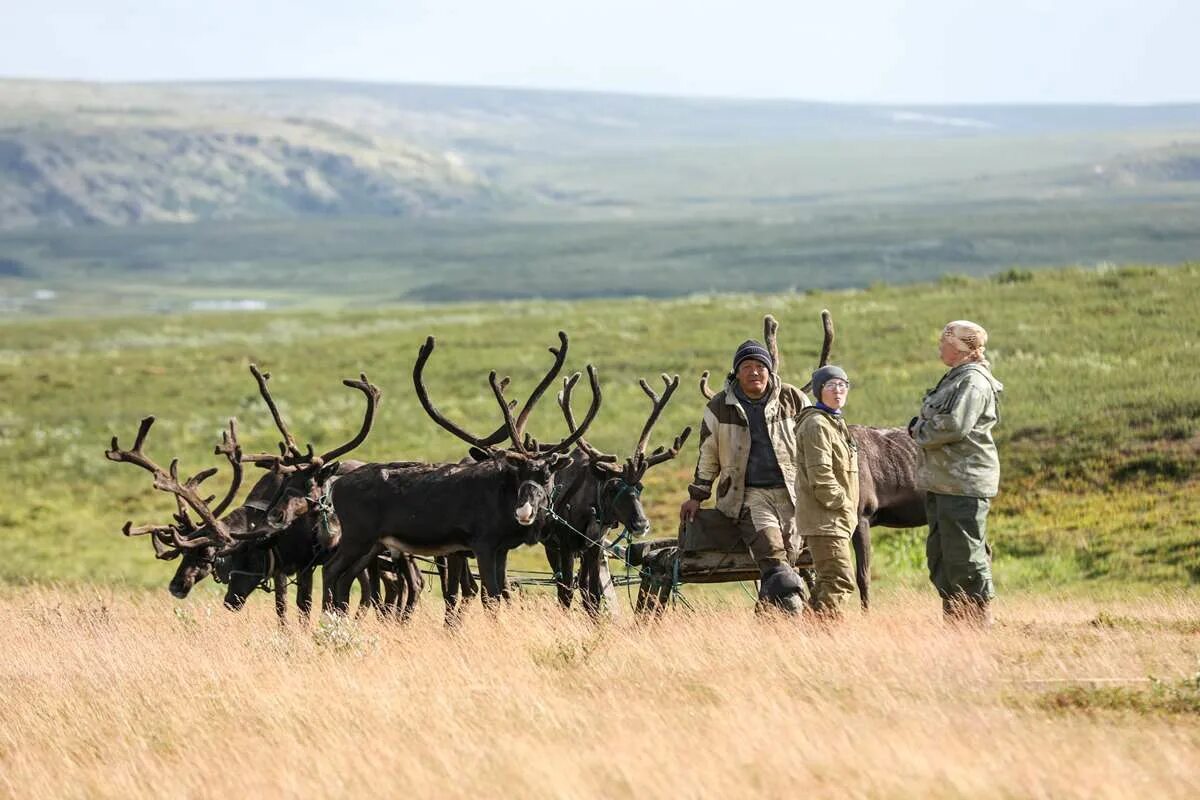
(1087, 686)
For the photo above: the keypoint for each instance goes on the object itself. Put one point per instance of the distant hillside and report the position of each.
(75, 154)
(133, 171)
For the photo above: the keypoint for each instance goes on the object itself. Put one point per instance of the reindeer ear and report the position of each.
(479, 454)
(327, 471)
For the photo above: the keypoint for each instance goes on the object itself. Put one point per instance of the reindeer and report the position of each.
(197, 563)
(887, 468)
(257, 555)
(596, 495)
(487, 506)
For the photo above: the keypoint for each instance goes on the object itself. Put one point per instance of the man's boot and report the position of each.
(782, 588)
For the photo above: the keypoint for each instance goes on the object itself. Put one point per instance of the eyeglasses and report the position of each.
(837, 386)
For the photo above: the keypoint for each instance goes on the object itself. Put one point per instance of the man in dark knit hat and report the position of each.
(748, 452)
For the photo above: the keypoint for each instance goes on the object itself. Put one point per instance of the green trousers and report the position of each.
(834, 573)
(956, 550)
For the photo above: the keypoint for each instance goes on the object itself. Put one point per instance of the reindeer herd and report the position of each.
(370, 522)
(366, 522)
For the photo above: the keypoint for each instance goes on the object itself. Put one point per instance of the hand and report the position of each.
(687, 511)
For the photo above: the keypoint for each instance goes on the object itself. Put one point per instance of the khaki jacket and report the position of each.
(725, 444)
(954, 431)
(827, 476)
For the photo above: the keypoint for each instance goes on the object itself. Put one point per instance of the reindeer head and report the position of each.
(304, 487)
(619, 495)
(243, 569)
(199, 545)
(529, 466)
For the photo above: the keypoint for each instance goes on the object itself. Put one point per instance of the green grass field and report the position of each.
(1099, 437)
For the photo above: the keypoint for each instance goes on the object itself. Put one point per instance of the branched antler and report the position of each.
(288, 445)
(372, 394)
(168, 480)
(640, 462)
(232, 450)
(605, 461)
(513, 428)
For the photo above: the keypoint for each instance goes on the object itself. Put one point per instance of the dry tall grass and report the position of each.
(104, 694)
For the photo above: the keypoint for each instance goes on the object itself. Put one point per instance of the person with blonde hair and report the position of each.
(960, 472)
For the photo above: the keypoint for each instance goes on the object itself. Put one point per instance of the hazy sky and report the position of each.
(884, 51)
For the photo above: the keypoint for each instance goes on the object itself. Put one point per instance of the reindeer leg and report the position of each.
(502, 575)
(415, 582)
(861, 540)
(566, 571)
(281, 604)
(337, 578)
(470, 586)
(304, 586)
(492, 585)
(329, 576)
(450, 575)
(371, 593)
(562, 578)
(393, 592)
(591, 581)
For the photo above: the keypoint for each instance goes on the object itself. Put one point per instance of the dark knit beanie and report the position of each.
(824, 375)
(755, 350)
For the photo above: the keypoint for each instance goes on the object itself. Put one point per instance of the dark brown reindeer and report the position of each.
(260, 557)
(887, 469)
(594, 495)
(305, 543)
(487, 506)
(197, 563)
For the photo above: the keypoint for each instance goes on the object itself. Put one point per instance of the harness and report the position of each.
(328, 526)
(264, 578)
(602, 519)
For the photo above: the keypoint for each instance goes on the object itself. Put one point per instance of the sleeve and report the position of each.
(708, 465)
(816, 450)
(955, 421)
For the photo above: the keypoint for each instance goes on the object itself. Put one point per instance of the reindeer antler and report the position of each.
(160, 535)
(639, 463)
(560, 357)
(770, 336)
(232, 450)
(288, 445)
(372, 394)
(826, 344)
(513, 428)
(168, 480)
(576, 434)
(430, 409)
(603, 460)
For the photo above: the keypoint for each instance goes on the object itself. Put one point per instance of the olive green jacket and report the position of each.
(725, 444)
(954, 431)
(826, 475)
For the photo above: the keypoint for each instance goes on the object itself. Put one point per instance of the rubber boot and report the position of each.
(781, 588)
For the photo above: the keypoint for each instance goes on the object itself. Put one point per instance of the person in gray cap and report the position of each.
(748, 453)
(827, 490)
